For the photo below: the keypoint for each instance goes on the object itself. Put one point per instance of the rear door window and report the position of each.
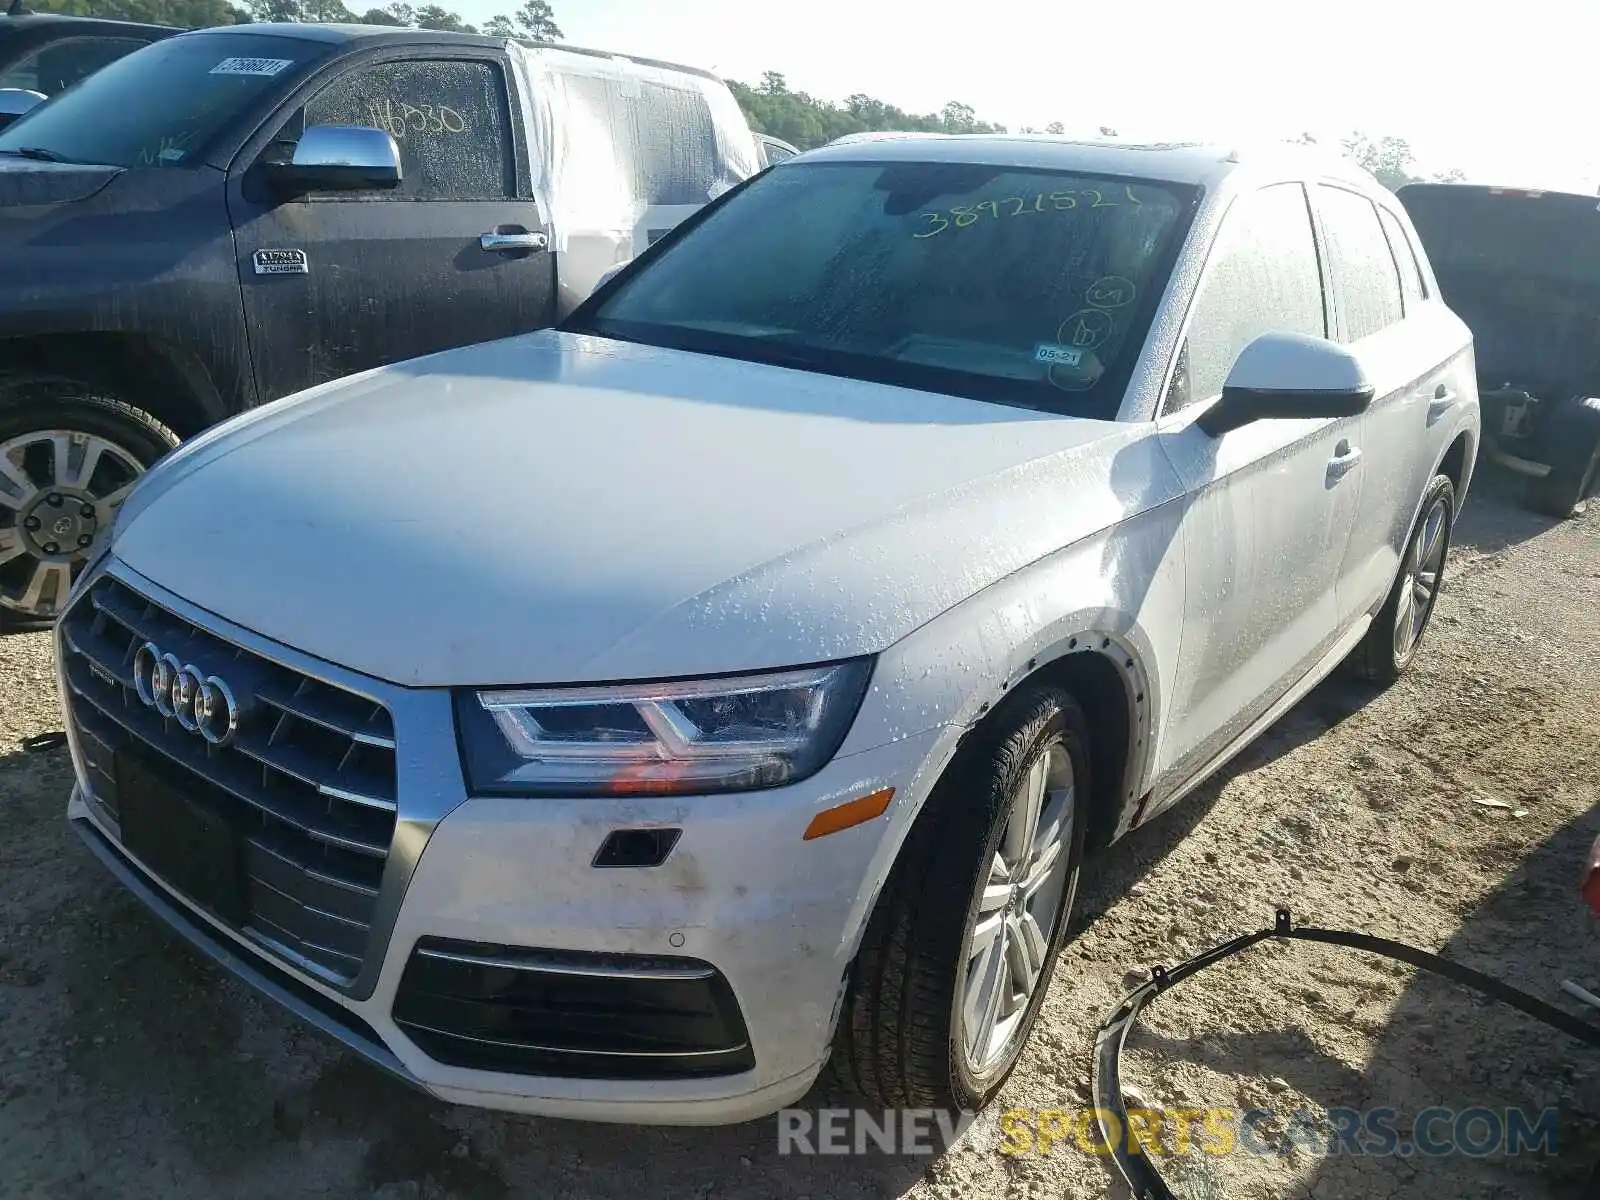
(1366, 282)
(652, 143)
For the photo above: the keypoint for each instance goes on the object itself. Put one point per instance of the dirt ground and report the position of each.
(1452, 812)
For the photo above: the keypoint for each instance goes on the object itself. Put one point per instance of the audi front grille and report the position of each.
(263, 795)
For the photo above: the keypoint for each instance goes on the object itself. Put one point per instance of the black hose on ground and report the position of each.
(1110, 1106)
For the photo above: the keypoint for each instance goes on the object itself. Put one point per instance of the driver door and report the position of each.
(339, 282)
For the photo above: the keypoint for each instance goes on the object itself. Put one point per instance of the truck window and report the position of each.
(1366, 284)
(58, 65)
(663, 139)
(1263, 278)
(450, 120)
(162, 105)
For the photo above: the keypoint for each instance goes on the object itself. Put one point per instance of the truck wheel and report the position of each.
(69, 453)
(958, 953)
(1396, 633)
(1573, 436)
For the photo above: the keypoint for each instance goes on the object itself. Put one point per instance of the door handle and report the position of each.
(1443, 401)
(1344, 458)
(506, 243)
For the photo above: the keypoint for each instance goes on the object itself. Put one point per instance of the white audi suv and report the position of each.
(620, 721)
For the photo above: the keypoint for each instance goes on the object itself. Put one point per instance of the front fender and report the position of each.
(1118, 594)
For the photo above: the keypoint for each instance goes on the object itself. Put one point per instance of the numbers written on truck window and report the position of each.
(964, 216)
(404, 120)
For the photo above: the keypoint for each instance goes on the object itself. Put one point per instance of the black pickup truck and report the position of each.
(1522, 268)
(232, 215)
(45, 53)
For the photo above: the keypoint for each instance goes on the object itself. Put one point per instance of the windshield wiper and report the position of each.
(38, 153)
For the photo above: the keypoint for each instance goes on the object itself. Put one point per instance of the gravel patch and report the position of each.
(1453, 812)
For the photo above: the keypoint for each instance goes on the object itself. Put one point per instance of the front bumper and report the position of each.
(778, 918)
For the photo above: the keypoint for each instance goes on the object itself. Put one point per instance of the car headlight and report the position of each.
(734, 733)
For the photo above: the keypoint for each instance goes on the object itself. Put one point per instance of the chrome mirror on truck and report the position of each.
(340, 158)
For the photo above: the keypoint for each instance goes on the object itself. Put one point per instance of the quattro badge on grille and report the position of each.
(198, 702)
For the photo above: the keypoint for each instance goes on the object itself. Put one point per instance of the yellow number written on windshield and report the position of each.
(964, 216)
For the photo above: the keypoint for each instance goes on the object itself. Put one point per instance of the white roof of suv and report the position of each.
(1180, 162)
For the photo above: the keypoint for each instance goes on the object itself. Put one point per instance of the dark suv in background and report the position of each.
(45, 53)
(1522, 268)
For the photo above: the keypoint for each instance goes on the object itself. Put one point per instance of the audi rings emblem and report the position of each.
(198, 702)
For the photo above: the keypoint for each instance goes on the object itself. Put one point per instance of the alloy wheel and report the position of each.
(1424, 566)
(59, 492)
(1018, 903)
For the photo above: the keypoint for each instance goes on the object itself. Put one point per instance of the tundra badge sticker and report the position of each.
(281, 262)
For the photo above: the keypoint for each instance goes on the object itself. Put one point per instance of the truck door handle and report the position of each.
(1345, 456)
(507, 243)
(1443, 401)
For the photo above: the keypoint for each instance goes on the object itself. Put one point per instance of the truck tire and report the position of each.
(54, 514)
(980, 894)
(1392, 642)
(1573, 439)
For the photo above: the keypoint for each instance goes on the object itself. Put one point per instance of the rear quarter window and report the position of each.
(1412, 289)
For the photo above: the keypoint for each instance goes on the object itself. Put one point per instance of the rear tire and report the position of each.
(914, 1016)
(1573, 436)
(1392, 642)
(69, 452)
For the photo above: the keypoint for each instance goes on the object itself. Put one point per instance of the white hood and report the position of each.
(553, 509)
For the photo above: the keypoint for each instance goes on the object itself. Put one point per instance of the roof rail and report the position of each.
(538, 44)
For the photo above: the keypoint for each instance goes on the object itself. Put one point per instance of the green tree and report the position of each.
(432, 16)
(185, 14)
(278, 10)
(1390, 160)
(958, 118)
(533, 21)
(327, 12)
(806, 121)
(1055, 127)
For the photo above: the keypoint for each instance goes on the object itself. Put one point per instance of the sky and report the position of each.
(1506, 92)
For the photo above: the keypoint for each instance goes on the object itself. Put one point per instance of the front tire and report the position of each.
(960, 949)
(1392, 642)
(69, 454)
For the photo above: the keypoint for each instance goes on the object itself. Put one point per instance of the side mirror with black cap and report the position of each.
(1289, 376)
(338, 158)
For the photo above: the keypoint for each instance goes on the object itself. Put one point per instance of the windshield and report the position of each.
(160, 106)
(1020, 286)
